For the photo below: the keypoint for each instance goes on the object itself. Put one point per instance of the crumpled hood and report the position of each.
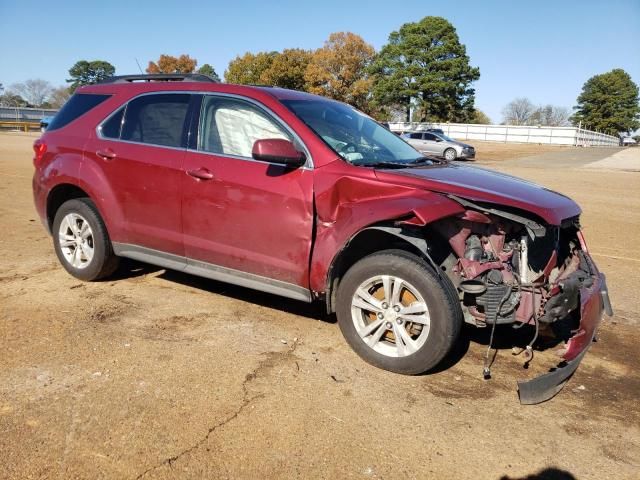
(484, 185)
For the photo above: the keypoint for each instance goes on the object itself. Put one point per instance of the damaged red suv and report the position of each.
(308, 198)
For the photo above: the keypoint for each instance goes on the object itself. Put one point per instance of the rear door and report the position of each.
(139, 149)
(415, 139)
(242, 214)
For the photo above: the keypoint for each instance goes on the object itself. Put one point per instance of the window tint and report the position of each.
(231, 126)
(111, 128)
(416, 136)
(430, 136)
(77, 105)
(156, 119)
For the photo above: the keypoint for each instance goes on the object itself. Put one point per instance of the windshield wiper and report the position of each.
(422, 160)
(382, 164)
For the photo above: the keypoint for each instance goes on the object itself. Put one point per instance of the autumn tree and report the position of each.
(35, 91)
(609, 103)
(248, 69)
(338, 70)
(287, 69)
(171, 64)
(209, 71)
(86, 72)
(425, 64)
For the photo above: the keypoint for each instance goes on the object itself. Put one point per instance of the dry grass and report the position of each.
(495, 151)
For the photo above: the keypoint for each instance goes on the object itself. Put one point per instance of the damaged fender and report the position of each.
(347, 205)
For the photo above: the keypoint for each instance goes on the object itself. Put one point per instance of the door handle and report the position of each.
(201, 173)
(107, 154)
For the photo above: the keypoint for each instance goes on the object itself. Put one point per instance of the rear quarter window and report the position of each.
(76, 106)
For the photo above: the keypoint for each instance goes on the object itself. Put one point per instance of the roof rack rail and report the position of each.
(160, 77)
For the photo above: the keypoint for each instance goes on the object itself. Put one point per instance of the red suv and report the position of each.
(308, 198)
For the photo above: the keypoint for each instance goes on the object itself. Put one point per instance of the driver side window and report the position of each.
(230, 126)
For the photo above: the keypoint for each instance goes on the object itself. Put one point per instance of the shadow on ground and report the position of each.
(551, 473)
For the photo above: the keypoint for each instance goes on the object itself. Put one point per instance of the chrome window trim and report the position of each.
(308, 165)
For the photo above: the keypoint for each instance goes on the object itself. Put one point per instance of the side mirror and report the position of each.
(438, 139)
(278, 150)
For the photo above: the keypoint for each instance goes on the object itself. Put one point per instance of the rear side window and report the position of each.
(111, 128)
(76, 106)
(156, 119)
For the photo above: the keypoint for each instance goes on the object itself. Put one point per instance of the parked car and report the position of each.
(431, 143)
(44, 123)
(307, 198)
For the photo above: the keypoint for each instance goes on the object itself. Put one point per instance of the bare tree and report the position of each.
(59, 96)
(518, 111)
(550, 116)
(35, 91)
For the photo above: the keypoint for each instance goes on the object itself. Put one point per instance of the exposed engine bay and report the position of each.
(510, 269)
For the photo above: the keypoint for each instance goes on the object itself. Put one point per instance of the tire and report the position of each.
(450, 154)
(84, 251)
(422, 285)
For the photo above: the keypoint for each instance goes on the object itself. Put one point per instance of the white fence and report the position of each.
(517, 134)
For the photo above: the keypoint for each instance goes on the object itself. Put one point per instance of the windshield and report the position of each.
(353, 135)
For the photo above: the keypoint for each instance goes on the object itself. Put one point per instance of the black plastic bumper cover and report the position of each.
(593, 302)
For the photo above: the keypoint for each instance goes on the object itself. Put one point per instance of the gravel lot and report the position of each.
(155, 374)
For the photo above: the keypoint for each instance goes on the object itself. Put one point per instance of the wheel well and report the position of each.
(59, 195)
(364, 243)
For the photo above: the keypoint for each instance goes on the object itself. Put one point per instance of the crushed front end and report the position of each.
(513, 269)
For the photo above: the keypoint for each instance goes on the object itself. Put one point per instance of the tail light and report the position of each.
(40, 148)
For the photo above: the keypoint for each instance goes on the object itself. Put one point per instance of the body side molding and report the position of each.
(214, 272)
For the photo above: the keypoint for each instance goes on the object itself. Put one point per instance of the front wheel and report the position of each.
(81, 241)
(397, 313)
(450, 154)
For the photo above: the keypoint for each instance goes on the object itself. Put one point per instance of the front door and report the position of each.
(239, 213)
(431, 144)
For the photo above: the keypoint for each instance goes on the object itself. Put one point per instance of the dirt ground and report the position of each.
(155, 374)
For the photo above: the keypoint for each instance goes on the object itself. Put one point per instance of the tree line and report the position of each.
(422, 73)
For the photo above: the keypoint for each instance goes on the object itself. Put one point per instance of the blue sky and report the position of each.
(544, 50)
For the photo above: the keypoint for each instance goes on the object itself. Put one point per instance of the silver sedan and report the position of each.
(440, 145)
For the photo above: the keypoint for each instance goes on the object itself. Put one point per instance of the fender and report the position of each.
(345, 205)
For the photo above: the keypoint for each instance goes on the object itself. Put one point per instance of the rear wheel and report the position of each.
(397, 313)
(81, 241)
(450, 154)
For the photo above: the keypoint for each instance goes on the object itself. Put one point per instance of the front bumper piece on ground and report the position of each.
(594, 301)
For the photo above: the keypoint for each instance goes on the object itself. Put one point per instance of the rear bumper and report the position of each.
(594, 301)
